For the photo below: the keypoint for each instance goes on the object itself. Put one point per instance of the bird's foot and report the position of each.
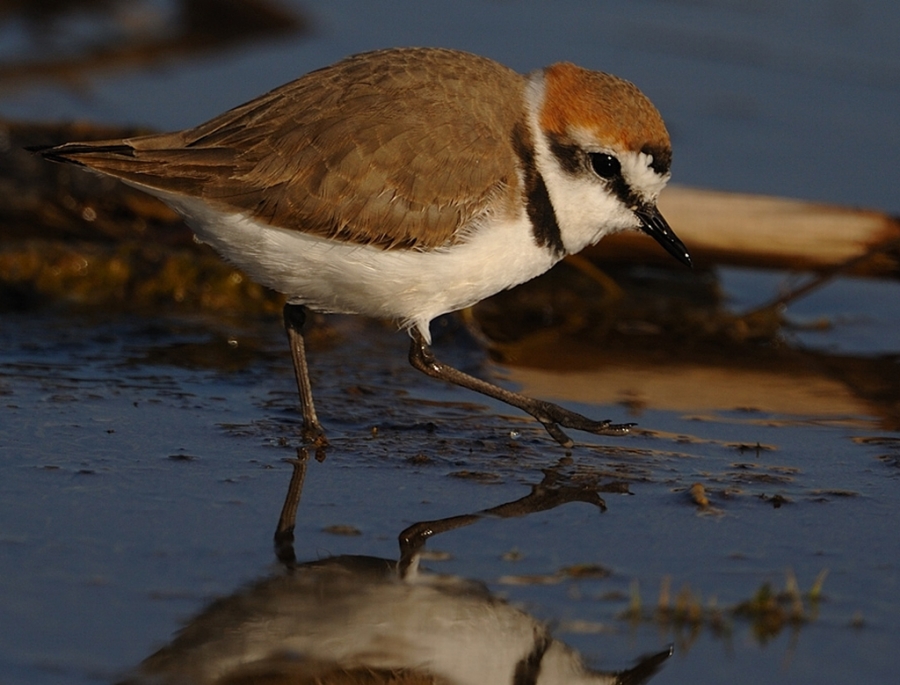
(313, 435)
(554, 418)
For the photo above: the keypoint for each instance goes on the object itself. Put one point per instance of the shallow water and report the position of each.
(143, 457)
(135, 490)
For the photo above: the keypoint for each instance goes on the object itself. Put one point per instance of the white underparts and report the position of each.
(410, 286)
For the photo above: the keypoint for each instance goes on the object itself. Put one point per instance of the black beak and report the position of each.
(646, 667)
(654, 225)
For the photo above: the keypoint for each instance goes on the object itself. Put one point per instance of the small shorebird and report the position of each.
(408, 183)
(350, 620)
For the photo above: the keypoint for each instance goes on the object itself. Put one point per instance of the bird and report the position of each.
(407, 183)
(351, 620)
(355, 619)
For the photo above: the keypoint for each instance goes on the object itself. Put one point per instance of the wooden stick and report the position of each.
(766, 232)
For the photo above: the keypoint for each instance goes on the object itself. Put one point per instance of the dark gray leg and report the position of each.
(547, 494)
(552, 416)
(284, 533)
(294, 318)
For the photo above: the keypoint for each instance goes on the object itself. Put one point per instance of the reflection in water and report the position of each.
(653, 339)
(355, 619)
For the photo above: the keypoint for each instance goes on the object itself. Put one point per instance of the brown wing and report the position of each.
(393, 148)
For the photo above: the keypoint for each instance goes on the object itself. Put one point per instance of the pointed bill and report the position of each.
(654, 224)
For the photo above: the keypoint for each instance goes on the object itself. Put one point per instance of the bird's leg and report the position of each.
(284, 533)
(544, 496)
(552, 416)
(294, 318)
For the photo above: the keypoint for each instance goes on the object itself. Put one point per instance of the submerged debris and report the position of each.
(768, 611)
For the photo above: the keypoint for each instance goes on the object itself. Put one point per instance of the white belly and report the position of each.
(411, 286)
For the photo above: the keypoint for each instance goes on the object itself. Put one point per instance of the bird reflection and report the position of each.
(364, 620)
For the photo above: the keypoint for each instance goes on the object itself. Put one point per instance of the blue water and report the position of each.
(787, 98)
(134, 492)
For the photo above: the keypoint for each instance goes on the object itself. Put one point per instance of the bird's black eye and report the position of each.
(605, 166)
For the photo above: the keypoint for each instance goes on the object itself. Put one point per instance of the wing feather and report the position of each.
(393, 148)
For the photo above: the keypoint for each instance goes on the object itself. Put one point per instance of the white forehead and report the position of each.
(640, 175)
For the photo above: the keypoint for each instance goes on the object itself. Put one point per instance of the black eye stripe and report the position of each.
(573, 160)
(569, 156)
